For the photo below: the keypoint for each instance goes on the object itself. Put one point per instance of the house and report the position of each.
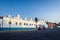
(18, 22)
(51, 25)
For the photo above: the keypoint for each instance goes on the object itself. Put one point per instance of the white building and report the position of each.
(18, 22)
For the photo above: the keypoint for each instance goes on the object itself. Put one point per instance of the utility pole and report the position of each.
(11, 9)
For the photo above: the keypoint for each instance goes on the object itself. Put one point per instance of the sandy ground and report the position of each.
(53, 34)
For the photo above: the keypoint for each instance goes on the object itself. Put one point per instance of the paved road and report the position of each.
(31, 35)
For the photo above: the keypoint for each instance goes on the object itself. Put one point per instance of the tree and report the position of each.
(36, 20)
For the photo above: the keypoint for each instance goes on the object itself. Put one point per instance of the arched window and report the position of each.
(16, 23)
(19, 23)
(24, 24)
(9, 22)
(30, 24)
(34, 24)
(0, 25)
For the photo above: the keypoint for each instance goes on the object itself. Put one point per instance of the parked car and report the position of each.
(41, 28)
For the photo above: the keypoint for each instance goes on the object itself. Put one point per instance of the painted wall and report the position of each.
(28, 23)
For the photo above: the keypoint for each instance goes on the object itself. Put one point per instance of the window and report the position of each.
(16, 23)
(19, 23)
(30, 24)
(24, 23)
(9, 22)
(34, 24)
(0, 25)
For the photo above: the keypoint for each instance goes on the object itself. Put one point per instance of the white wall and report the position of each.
(14, 20)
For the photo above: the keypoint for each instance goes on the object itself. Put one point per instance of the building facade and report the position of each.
(18, 22)
(51, 25)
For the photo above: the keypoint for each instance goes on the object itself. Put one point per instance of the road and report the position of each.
(52, 34)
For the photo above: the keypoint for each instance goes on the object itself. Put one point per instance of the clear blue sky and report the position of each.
(48, 10)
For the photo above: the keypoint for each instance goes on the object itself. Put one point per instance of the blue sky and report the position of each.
(48, 10)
